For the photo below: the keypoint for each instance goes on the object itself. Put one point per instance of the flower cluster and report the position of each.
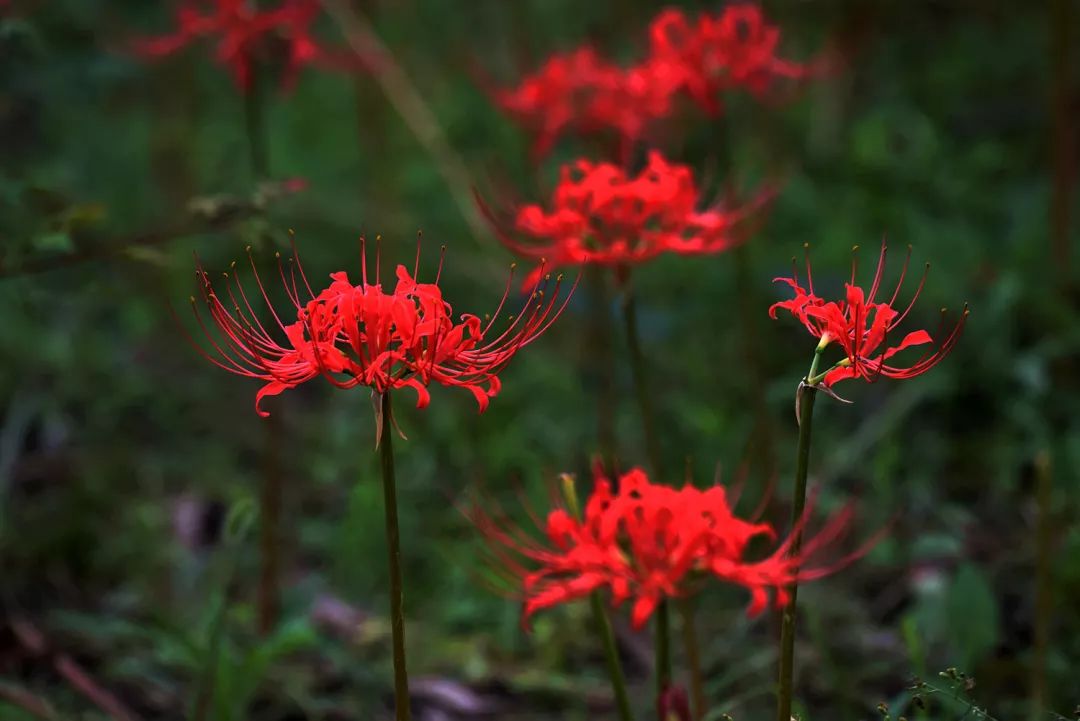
(736, 49)
(600, 214)
(362, 335)
(862, 326)
(580, 91)
(646, 542)
(245, 33)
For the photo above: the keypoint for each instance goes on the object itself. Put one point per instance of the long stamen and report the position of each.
(363, 262)
(854, 262)
(918, 290)
(416, 265)
(878, 273)
(378, 260)
(442, 257)
(299, 265)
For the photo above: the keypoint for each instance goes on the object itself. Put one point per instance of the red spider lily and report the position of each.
(581, 91)
(600, 214)
(862, 326)
(245, 33)
(719, 53)
(361, 335)
(647, 542)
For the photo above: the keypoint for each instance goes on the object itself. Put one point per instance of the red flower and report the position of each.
(361, 335)
(647, 542)
(862, 326)
(582, 92)
(736, 49)
(600, 214)
(245, 33)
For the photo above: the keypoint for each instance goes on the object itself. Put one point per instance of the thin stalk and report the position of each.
(598, 351)
(271, 492)
(641, 385)
(603, 624)
(1043, 598)
(652, 449)
(663, 649)
(255, 124)
(393, 547)
(271, 488)
(1063, 137)
(611, 656)
(688, 609)
(807, 393)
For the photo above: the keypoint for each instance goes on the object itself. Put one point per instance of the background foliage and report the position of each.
(129, 467)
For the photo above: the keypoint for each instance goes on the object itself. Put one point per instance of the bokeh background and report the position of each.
(128, 464)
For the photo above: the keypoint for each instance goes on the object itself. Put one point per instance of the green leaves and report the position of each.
(973, 616)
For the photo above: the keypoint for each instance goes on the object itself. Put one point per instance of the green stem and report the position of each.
(603, 624)
(1043, 597)
(611, 655)
(652, 449)
(663, 649)
(393, 547)
(271, 494)
(641, 386)
(272, 486)
(693, 658)
(255, 123)
(808, 393)
(598, 348)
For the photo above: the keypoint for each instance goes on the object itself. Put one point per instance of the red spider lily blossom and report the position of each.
(580, 91)
(362, 335)
(600, 214)
(245, 33)
(862, 326)
(736, 49)
(645, 542)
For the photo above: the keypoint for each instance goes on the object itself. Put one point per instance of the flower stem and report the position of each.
(663, 649)
(652, 449)
(1043, 581)
(598, 349)
(693, 658)
(271, 493)
(611, 655)
(271, 490)
(641, 386)
(393, 546)
(808, 393)
(255, 123)
(600, 617)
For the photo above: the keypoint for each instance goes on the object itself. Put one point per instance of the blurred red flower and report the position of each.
(600, 214)
(244, 34)
(645, 542)
(862, 326)
(735, 49)
(361, 335)
(582, 92)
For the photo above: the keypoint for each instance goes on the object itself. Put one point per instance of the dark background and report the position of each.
(123, 454)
